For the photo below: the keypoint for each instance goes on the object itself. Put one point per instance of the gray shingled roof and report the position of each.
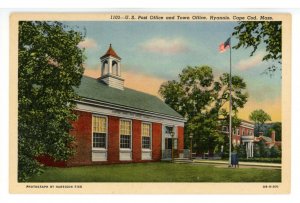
(92, 88)
(267, 139)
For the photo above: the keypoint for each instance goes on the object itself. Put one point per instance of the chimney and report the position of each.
(273, 136)
(261, 133)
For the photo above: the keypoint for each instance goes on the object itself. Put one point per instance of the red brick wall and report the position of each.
(136, 141)
(82, 131)
(156, 141)
(241, 131)
(180, 131)
(113, 139)
(49, 161)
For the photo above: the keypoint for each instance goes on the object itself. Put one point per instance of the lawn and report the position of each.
(157, 172)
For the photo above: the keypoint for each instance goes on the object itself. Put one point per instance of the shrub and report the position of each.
(265, 160)
(275, 152)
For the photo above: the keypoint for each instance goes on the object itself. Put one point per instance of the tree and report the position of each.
(255, 33)
(277, 128)
(241, 150)
(275, 152)
(201, 98)
(259, 117)
(50, 66)
(264, 152)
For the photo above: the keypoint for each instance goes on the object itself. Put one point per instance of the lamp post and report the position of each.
(191, 145)
(172, 134)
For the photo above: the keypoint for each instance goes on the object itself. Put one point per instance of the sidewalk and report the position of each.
(242, 163)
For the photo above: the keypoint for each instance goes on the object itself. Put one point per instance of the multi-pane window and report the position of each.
(99, 132)
(243, 131)
(146, 136)
(125, 131)
(238, 131)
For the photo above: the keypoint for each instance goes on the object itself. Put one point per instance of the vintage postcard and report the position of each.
(150, 103)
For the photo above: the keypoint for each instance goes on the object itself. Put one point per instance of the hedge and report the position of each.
(266, 160)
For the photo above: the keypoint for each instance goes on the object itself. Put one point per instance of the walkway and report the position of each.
(242, 163)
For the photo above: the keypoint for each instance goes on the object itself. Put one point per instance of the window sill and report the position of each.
(125, 150)
(146, 150)
(99, 150)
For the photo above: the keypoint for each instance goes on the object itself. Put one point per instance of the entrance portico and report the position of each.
(167, 143)
(248, 142)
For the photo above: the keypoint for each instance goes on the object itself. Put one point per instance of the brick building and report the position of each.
(243, 134)
(116, 124)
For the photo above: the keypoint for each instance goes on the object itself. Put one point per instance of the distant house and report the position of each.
(243, 134)
(268, 141)
(119, 125)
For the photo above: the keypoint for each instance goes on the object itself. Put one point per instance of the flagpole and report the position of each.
(230, 105)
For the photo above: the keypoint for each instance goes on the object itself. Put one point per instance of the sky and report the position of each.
(155, 52)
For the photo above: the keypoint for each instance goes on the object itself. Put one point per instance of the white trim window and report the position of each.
(125, 134)
(146, 136)
(238, 131)
(99, 132)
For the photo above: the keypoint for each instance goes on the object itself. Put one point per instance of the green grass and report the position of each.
(157, 172)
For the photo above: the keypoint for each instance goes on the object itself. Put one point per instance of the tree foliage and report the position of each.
(277, 127)
(262, 151)
(252, 34)
(259, 117)
(50, 65)
(201, 99)
(241, 150)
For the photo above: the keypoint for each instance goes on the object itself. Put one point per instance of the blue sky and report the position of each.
(162, 49)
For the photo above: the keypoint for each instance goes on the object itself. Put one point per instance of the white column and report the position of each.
(119, 69)
(252, 149)
(102, 69)
(110, 66)
(249, 149)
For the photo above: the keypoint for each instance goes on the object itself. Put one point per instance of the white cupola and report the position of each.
(111, 69)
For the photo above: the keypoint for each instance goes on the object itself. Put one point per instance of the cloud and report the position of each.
(165, 45)
(263, 92)
(88, 43)
(272, 107)
(142, 82)
(251, 62)
(133, 80)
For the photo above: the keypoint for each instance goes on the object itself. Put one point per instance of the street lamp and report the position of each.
(191, 145)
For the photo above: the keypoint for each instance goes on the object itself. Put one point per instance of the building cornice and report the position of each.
(117, 107)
